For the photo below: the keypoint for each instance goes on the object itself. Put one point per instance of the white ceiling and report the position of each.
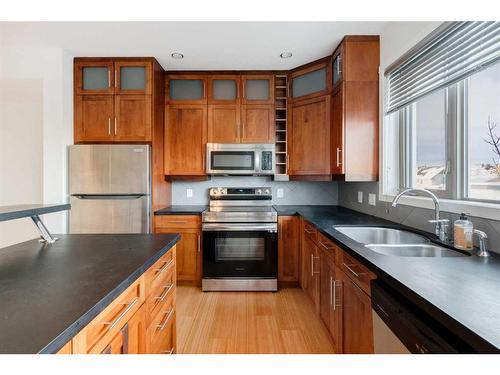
(205, 45)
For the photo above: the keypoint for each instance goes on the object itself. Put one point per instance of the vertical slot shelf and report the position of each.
(281, 118)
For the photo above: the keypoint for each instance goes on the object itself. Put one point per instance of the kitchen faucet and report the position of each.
(441, 228)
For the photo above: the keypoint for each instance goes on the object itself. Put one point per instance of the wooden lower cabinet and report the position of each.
(189, 251)
(341, 299)
(331, 302)
(288, 249)
(139, 321)
(311, 264)
(357, 318)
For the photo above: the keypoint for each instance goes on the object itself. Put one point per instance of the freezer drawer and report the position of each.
(109, 169)
(105, 214)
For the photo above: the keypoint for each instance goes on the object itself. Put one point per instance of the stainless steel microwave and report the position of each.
(240, 159)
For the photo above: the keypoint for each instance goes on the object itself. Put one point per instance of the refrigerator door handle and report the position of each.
(109, 196)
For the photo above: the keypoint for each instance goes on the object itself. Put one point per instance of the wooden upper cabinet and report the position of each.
(186, 89)
(94, 118)
(257, 89)
(310, 137)
(94, 77)
(224, 123)
(133, 77)
(132, 118)
(355, 109)
(257, 124)
(337, 66)
(311, 81)
(337, 131)
(223, 89)
(114, 98)
(360, 58)
(185, 139)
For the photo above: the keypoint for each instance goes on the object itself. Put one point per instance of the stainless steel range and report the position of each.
(240, 240)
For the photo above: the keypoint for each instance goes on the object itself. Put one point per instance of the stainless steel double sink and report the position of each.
(396, 242)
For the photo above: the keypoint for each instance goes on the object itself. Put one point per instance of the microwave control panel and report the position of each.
(267, 161)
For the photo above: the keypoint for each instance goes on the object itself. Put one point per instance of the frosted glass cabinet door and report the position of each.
(133, 77)
(223, 89)
(93, 78)
(258, 89)
(309, 83)
(186, 89)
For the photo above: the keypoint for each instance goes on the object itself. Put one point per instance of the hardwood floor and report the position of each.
(248, 322)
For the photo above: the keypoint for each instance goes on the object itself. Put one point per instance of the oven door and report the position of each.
(240, 251)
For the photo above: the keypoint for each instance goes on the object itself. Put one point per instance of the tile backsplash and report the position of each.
(294, 192)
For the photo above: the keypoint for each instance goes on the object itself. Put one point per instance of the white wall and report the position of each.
(21, 167)
(47, 123)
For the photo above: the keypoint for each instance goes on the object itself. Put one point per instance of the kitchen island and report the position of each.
(50, 293)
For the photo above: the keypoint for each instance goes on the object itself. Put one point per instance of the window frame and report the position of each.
(457, 117)
(408, 145)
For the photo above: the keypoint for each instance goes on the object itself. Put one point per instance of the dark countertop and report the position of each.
(25, 210)
(462, 293)
(181, 210)
(49, 292)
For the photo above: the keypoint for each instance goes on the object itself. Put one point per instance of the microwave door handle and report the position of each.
(257, 166)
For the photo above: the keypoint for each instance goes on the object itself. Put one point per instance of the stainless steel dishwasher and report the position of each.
(400, 327)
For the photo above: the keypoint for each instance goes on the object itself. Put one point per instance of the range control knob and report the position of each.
(267, 191)
(259, 191)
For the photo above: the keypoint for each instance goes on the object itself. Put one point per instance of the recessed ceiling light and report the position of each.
(285, 55)
(177, 55)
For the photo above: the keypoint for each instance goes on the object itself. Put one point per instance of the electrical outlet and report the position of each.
(372, 199)
(360, 197)
(280, 193)
(189, 193)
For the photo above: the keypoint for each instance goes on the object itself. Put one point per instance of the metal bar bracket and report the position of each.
(42, 229)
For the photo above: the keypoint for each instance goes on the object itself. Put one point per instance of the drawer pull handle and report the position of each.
(167, 265)
(308, 231)
(312, 265)
(120, 317)
(327, 247)
(171, 351)
(352, 271)
(162, 326)
(165, 292)
(177, 222)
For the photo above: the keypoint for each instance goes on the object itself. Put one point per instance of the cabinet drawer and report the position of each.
(161, 290)
(356, 271)
(99, 333)
(310, 232)
(328, 247)
(160, 272)
(161, 331)
(178, 221)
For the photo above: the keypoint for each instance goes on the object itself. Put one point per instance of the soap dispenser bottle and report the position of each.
(463, 230)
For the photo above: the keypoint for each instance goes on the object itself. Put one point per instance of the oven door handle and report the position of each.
(240, 227)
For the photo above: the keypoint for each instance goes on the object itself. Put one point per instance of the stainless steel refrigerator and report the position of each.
(110, 188)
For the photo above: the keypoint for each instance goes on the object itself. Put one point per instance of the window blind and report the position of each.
(451, 53)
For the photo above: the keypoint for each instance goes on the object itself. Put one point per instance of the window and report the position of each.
(443, 112)
(426, 152)
(483, 135)
(430, 133)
